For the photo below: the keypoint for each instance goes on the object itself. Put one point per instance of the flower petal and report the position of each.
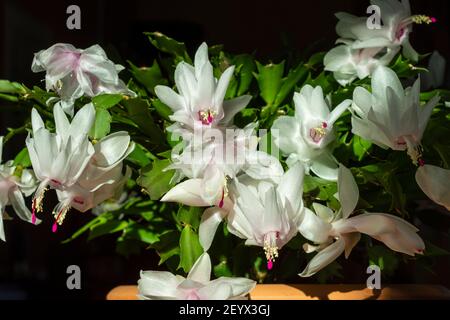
(324, 258)
(435, 183)
(201, 270)
(211, 219)
(187, 193)
(348, 191)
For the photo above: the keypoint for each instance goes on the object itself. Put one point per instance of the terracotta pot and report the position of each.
(322, 292)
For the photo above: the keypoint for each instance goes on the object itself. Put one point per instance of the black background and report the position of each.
(33, 262)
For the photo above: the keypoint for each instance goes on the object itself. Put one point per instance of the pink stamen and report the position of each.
(33, 212)
(269, 264)
(324, 125)
(55, 224)
(433, 20)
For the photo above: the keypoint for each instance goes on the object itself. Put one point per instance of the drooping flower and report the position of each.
(393, 32)
(348, 63)
(59, 158)
(14, 184)
(72, 73)
(306, 136)
(263, 213)
(336, 232)
(200, 97)
(163, 285)
(214, 160)
(391, 117)
(101, 179)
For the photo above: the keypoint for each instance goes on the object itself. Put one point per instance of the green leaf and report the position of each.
(141, 233)
(360, 147)
(190, 216)
(190, 248)
(289, 83)
(246, 66)
(169, 45)
(9, 97)
(107, 228)
(139, 113)
(102, 124)
(154, 180)
(149, 77)
(139, 156)
(106, 101)
(163, 110)
(167, 246)
(11, 87)
(269, 79)
(222, 269)
(22, 159)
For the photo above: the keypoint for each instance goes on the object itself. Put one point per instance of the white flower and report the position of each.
(394, 31)
(336, 232)
(85, 194)
(305, 137)
(59, 158)
(14, 183)
(163, 285)
(435, 183)
(262, 213)
(200, 97)
(101, 179)
(211, 164)
(73, 72)
(390, 116)
(348, 63)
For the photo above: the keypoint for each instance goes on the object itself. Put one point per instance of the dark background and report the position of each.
(33, 262)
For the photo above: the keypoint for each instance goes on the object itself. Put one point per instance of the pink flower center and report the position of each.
(318, 133)
(206, 116)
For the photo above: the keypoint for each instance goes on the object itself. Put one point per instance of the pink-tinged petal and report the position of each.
(324, 258)
(395, 233)
(435, 183)
(187, 193)
(350, 239)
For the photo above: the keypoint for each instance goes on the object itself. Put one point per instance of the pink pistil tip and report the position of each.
(33, 218)
(269, 264)
(54, 227)
(421, 162)
(433, 20)
(221, 200)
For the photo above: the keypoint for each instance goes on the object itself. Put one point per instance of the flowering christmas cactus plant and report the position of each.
(233, 169)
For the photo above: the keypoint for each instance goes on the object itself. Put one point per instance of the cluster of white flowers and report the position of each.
(270, 212)
(219, 166)
(365, 44)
